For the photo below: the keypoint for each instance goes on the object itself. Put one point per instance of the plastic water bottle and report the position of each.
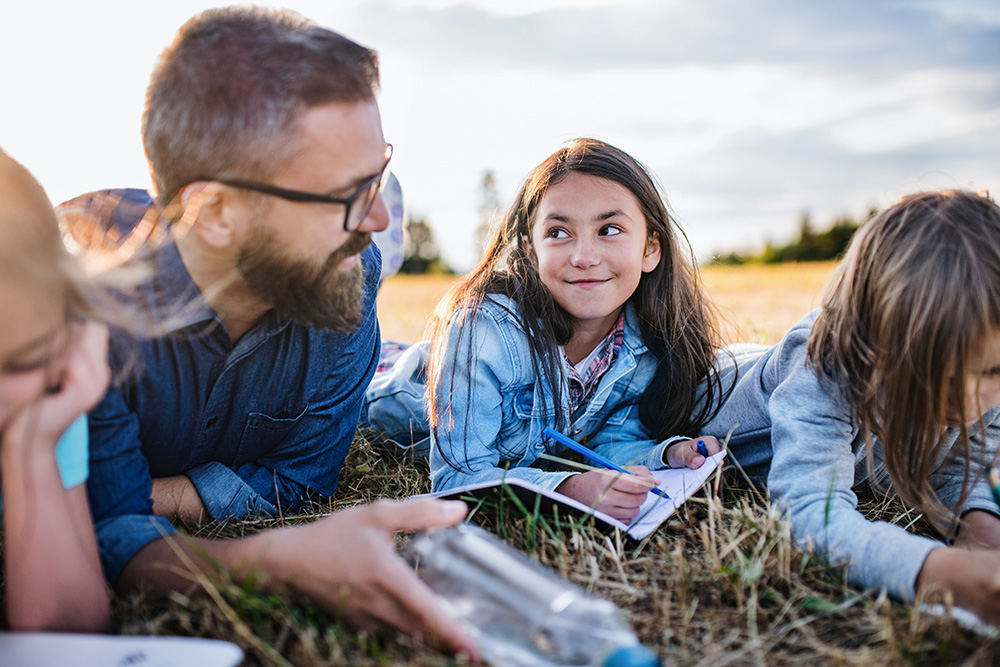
(519, 612)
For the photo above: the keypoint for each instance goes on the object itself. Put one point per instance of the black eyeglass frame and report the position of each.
(373, 185)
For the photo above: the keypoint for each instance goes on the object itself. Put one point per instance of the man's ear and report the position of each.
(204, 205)
(651, 257)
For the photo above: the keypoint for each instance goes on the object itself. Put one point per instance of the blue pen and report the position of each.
(591, 454)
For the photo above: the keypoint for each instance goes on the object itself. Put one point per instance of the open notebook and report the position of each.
(678, 483)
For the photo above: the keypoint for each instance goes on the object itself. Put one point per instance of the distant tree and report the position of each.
(421, 253)
(489, 210)
(811, 246)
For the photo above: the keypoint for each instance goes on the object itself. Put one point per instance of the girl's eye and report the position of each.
(556, 233)
(610, 230)
(27, 366)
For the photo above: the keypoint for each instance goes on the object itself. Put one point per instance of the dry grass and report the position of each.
(719, 584)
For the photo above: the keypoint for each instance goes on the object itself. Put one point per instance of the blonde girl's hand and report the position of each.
(691, 453)
(612, 492)
(84, 379)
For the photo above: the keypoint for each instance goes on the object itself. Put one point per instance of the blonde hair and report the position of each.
(31, 249)
(916, 293)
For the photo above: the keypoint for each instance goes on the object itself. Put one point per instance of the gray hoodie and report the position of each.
(791, 433)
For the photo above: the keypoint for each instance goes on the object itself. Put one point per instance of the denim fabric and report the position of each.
(258, 426)
(495, 408)
(790, 432)
(395, 403)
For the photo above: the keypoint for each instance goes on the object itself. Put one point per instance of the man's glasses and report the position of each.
(356, 205)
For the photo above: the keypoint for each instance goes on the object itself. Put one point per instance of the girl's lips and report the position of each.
(587, 283)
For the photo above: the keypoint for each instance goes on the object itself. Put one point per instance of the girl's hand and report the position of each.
(610, 491)
(691, 453)
(972, 577)
(85, 377)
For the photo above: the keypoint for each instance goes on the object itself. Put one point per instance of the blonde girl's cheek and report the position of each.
(17, 391)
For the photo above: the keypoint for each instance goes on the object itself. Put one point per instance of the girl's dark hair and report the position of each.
(916, 294)
(675, 318)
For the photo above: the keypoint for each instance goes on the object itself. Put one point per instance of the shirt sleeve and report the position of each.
(120, 486)
(469, 445)
(811, 480)
(72, 454)
(950, 480)
(306, 463)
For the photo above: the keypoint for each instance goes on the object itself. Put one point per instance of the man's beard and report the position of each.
(324, 297)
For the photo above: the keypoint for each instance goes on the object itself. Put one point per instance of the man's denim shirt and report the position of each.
(257, 427)
(494, 410)
(791, 431)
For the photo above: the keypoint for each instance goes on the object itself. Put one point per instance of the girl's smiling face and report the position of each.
(592, 246)
(31, 348)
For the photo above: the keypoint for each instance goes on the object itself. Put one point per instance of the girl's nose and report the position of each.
(584, 253)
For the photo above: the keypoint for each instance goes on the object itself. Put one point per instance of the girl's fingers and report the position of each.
(692, 453)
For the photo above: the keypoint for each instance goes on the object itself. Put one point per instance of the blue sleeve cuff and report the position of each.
(225, 494)
(121, 537)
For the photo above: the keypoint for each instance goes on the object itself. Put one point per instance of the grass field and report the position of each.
(718, 584)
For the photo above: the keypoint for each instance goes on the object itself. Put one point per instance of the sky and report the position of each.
(750, 113)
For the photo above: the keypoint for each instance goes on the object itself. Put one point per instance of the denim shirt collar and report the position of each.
(168, 293)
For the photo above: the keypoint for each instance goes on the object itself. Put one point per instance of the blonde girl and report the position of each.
(894, 381)
(52, 370)
(585, 315)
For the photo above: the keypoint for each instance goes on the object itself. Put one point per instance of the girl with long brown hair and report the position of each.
(893, 382)
(585, 315)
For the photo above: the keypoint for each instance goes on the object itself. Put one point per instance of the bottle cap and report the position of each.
(636, 655)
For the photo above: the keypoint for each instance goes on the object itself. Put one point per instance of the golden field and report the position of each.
(757, 303)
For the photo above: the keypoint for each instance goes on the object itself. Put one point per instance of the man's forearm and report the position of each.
(177, 499)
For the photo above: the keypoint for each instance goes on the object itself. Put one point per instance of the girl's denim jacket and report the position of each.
(494, 406)
(790, 430)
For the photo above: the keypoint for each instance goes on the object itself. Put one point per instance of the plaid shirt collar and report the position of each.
(582, 385)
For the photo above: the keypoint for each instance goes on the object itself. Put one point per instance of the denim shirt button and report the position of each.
(539, 445)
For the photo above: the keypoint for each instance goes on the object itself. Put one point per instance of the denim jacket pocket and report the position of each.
(263, 433)
(524, 404)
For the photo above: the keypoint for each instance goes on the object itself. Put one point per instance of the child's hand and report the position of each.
(691, 453)
(84, 380)
(610, 491)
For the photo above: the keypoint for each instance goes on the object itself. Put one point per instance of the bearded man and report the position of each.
(265, 144)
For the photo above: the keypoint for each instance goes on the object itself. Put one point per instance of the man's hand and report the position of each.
(345, 563)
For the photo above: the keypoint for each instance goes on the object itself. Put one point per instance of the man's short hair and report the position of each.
(226, 94)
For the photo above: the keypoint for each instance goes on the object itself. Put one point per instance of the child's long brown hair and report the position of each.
(675, 317)
(916, 293)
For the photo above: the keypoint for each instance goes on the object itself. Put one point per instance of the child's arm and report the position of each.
(480, 428)
(812, 475)
(54, 578)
